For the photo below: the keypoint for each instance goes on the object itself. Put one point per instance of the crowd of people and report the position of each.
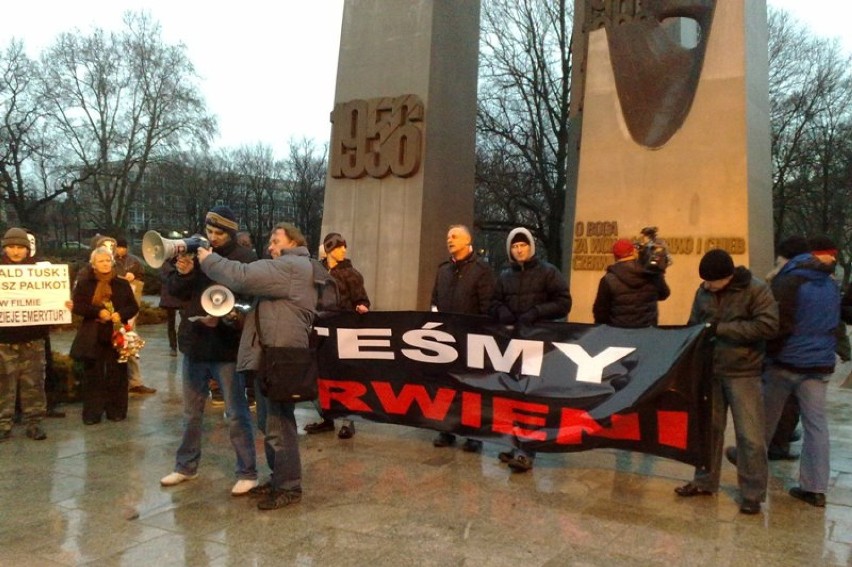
(773, 343)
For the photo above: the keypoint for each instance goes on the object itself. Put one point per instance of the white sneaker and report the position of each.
(242, 487)
(174, 478)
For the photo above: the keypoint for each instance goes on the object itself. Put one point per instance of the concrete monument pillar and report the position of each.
(402, 155)
(651, 153)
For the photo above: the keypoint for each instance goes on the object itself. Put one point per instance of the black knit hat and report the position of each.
(331, 241)
(223, 218)
(792, 246)
(716, 265)
(821, 243)
(520, 237)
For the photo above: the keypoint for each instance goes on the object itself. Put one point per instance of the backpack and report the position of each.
(328, 295)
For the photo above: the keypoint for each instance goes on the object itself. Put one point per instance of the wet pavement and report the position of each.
(91, 495)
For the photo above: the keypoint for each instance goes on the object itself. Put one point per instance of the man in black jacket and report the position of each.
(464, 284)
(209, 345)
(627, 293)
(528, 291)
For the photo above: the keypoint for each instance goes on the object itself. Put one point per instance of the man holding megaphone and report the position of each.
(209, 346)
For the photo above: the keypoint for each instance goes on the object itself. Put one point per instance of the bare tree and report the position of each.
(810, 89)
(22, 143)
(306, 168)
(525, 71)
(117, 103)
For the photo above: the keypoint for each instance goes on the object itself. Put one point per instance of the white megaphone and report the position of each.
(217, 300)
(157, 249)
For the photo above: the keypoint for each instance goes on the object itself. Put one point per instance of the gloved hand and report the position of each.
(505, 315)
(528, 317)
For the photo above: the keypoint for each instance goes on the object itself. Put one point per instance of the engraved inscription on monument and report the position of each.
(376, 137)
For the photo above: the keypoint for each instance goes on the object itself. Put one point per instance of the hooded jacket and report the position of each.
(628, 295)
(745, 315)
(285, 299)
(809, 307)
(532, 291)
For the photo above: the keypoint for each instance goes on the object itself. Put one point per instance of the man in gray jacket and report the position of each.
(286, 302)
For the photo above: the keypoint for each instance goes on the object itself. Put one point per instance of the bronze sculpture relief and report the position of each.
(655, 76)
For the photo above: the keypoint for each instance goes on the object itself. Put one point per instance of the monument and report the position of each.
(672, 99)
(402, 155)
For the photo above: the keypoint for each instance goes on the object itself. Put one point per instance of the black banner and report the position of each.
(552, 387)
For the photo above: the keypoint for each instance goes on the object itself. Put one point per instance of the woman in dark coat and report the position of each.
(103, 301)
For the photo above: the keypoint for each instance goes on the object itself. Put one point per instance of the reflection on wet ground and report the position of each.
(387, 497)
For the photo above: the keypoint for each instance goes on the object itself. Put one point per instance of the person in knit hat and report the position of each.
(740, 315)
(209, 345)
(528, 291)
(628, 293)
(22, 355)
(353, 297)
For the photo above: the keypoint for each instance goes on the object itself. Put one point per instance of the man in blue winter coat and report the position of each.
(803, 357)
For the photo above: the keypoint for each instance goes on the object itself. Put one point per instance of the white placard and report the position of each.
(34, 294)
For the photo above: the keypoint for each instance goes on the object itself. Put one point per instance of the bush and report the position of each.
(149, 315)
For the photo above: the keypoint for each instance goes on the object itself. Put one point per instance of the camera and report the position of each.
(653, 252)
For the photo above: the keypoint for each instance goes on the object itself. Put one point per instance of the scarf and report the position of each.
(103, 291)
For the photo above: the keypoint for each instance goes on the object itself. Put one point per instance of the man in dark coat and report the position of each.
(803, 358)
(528, 291)
(209, 345)
(740, 315)
(627, 293)
(463, 284)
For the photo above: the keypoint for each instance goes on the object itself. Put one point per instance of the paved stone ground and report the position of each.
(91, 495)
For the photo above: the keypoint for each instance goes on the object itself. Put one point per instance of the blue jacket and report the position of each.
(809, 306)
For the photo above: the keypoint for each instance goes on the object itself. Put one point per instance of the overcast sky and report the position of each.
(269, 68)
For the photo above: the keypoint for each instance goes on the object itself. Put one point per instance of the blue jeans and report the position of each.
(260, 409)
(810, 390)
(195, 393)
(743, 396)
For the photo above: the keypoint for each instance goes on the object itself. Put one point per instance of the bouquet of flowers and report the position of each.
(124, 339)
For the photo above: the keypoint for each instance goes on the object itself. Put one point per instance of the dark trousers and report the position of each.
(786, 426)
(171, 328)
(104, 388)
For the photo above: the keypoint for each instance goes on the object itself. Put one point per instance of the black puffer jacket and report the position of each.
(195, 339)
(350, 285)
(628, 295)
(746, 316)
(466, 286)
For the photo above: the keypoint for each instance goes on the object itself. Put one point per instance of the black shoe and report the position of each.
(320, 427)
(264, 489)
(750, 507)
(92, 421)
(36, 433)
(689, 490)
(472, 445)
(505, 456)
(813, 498)
(279, 498)
(346, 432)
(731, 455)
(775, 454)
(444, 440)
(520, 463)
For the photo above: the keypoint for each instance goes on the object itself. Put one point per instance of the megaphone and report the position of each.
(217, 300)
(157, 249)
